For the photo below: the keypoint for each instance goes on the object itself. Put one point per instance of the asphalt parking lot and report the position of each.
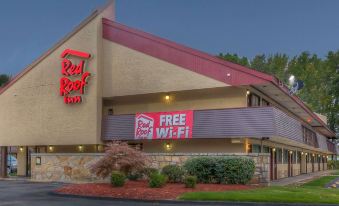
(18, 193)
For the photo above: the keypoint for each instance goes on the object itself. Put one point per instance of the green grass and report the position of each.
(320, 182)
(312, 192)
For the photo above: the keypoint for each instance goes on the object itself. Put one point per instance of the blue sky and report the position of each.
(246, 27)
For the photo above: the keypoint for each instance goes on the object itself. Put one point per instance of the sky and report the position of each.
(246, 27)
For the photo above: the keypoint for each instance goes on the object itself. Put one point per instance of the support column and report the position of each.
(3, 161)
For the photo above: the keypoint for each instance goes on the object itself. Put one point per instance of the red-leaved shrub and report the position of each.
(119, 157)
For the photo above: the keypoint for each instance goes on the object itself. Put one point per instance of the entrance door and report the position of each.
(273, 165)
(312, 159)
(290, 164)
(318, 158)
(29, 151)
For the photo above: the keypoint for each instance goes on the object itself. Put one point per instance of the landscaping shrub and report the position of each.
(203, 168)
(118, 179)
(333, 164)
(227, 170)
(134, 175)
(190, 181)
(235, 170)
(157, 180)
(148, 171)
(173, 172)
(119, 157)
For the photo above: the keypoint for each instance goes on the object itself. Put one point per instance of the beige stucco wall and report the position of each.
(216, 98)
(33, 113)
(194, 146)
(22, 161)
(129, 72)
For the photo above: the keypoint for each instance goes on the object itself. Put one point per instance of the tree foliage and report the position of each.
(320, 76)
(119, 156)
(4, 78)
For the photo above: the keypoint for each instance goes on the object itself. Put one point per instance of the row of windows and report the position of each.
(282, 155)
(254, 100)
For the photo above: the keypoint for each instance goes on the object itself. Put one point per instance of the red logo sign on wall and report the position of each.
(68, 86)
(164, 125)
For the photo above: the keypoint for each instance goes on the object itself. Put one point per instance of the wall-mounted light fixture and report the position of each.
(302, 153)
(306, 153)
(291, 152)
(313, 155)
(80, 148)
(50, 148)
(273, 149)
(248, 92)
(21, 149)
(168, 146)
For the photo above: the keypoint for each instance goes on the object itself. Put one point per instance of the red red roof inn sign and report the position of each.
(164, 125)
(68, 85)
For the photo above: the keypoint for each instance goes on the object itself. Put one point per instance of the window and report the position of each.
(298, 157)
(285, 152)
(253, 100)
(279, 155)
(295, 157)
(265, 103)
(256, 148)
(110, 111)
(266, 149)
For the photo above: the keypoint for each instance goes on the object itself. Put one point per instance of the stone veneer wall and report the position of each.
(64, 167)
(74, 167)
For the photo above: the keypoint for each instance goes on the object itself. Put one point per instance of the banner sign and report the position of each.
(164, 125)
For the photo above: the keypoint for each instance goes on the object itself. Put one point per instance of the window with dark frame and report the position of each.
(253, 100)
(299, 158)
(264, 102)
(279, 155)
(285, 159)
(256, 148)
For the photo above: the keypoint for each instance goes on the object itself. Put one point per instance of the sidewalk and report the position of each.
(300, 179)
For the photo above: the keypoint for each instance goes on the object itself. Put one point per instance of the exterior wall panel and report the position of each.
(224, 123)
(220, 123)
(287, 127)
(322, 141)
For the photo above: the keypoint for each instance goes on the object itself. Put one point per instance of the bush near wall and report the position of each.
(225, 170)
(333, 164)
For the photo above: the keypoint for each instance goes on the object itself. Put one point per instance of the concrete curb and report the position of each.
(184, 202)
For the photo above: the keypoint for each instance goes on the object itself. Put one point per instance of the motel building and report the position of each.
(106, 81)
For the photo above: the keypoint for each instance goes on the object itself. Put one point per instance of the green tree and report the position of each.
(320, 77)
(234, 58)
(4, 78)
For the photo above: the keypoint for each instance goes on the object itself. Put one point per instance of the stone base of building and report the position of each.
(75, 167)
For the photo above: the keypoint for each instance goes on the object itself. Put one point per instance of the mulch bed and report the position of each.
(140, 190)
